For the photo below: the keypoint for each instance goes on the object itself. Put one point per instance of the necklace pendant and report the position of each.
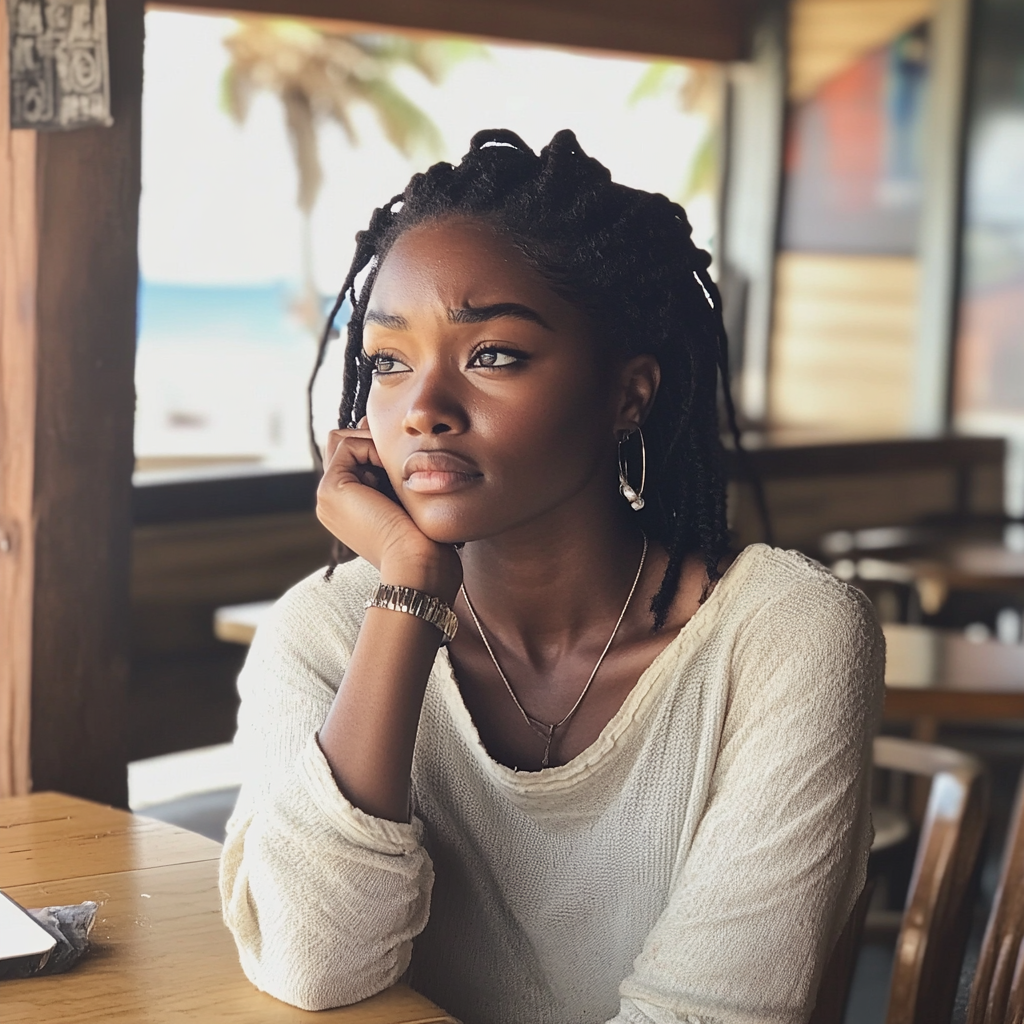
(546, 760)
(543, 728)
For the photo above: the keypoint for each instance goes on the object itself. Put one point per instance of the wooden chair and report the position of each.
(997, 992)
(932, 930)
(936, 920)
(834, 988)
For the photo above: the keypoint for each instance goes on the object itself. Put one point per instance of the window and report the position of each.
(846, 301)
(989, 383)
(235, 279)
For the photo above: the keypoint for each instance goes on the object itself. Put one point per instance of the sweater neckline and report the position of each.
(560, 777)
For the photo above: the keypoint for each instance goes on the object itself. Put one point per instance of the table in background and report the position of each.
(929, 673)
(160, 949)
(943, 675)
(237, 623)
(936, 567)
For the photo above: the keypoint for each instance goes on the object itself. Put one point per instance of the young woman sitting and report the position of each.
(631, 786)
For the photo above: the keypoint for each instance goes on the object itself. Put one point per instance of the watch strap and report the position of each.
(415, 602)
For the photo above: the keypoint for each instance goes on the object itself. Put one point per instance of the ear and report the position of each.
(639, 379)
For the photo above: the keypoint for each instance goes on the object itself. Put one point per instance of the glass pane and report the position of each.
(989, 384)
(235, 279)
(854, 152)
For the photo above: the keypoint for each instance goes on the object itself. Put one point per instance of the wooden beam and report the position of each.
(941, 214)
(668, 28)
(751, 200)
(71, 350)
(18, 261)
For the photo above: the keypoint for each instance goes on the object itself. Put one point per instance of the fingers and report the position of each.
(333, 440)
(335, 437)
(347, 449)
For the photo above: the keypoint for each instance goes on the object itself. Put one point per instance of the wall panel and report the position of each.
(843, 345)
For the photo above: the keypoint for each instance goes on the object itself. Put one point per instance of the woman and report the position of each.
(632, 786)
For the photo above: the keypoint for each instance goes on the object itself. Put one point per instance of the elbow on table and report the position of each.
(307, 985)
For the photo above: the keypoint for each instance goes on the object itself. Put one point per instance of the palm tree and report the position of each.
(698, 87)
(320, 76)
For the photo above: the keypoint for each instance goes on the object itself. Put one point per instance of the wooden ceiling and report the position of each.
(696, 29)
(827, 36)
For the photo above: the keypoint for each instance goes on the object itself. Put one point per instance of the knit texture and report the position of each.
(694, 864)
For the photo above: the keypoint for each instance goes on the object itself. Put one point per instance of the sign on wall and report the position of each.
(60, 74)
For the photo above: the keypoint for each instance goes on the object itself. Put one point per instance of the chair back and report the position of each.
(834, 988)
(997, 992)
(936, 920)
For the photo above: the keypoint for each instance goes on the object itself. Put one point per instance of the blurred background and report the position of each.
(246, 233)
(853, 166)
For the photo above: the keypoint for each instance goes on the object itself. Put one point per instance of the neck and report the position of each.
(544, 587)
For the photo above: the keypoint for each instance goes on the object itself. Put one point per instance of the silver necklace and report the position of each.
(545, 729)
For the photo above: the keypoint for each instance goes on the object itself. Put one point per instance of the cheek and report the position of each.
(549, 437)
(384, 418)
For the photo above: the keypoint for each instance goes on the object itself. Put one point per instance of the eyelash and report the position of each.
(377, 357)
(520, 357)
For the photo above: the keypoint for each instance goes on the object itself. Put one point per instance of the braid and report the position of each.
(367, 244)
(627, 259)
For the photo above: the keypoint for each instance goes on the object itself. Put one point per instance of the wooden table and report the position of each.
(160, 949)
(237, 623)
(937, 569)
(929, 673)
(939, 674)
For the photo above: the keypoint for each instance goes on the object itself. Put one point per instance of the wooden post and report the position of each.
(67, 360)
(941, 214)
(17, 434)
(751, 202)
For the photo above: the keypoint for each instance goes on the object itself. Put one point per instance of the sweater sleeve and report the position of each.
(779, 856)
(322, 899)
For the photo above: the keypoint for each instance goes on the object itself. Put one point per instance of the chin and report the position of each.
(445, 523)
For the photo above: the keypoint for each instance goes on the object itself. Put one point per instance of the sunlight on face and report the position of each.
(489, 406)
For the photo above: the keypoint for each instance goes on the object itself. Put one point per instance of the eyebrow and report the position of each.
(392, 323)
(497, 311)
(466, 315)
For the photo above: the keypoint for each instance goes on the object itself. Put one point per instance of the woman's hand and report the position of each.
(370, 732)
(356, 502)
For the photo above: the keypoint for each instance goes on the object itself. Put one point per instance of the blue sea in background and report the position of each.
(250, 313)
(222, 372)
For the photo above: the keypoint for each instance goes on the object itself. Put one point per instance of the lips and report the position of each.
(439, 472)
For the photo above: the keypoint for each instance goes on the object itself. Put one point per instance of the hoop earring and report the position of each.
(635, 498)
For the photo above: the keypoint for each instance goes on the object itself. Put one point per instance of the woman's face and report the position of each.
(489, 405)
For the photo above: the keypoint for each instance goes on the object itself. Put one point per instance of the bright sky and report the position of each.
(218, 201)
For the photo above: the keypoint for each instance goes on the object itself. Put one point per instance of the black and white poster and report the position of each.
(60, 75)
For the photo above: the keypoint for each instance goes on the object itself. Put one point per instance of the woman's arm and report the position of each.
(370, 731)
(780, 853)
(323, 899)
(324, 882)
(369, 735)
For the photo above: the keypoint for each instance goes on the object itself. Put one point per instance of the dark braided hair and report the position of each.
(624, 257)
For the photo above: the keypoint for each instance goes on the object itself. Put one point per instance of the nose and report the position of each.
(434, 406)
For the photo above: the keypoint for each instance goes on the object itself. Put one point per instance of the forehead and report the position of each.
(458, 263)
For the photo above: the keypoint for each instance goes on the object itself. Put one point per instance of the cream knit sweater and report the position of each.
(694, 864)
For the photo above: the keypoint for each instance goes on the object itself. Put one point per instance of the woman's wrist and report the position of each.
(437, 573)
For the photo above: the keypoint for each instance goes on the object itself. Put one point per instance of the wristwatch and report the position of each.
(416, 602)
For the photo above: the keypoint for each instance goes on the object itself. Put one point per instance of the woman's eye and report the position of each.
(492, 357)
(384, 364)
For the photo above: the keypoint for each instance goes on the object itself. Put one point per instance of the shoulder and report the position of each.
(798, 627)
(778, 591)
